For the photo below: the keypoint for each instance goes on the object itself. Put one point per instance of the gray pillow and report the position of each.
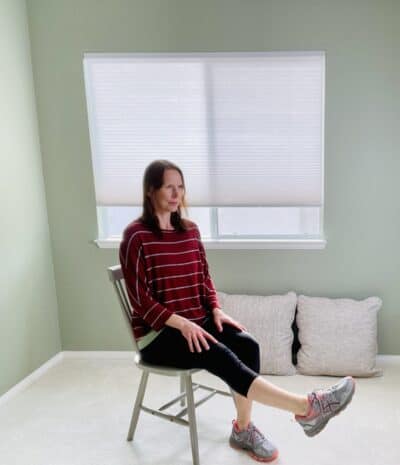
(269, 320)
(338, 336)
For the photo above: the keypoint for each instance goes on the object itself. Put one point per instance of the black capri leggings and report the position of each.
(235, 358)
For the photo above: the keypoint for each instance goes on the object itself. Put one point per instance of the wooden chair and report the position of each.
(185, 397)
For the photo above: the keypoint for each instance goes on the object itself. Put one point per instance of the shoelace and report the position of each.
(326, 400)
(256, 436)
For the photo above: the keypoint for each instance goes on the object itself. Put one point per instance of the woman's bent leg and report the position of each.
(240, 342)
(243, 410)
(247, 349)
(170, 348)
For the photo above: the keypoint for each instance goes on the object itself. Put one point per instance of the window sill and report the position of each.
(239, 244)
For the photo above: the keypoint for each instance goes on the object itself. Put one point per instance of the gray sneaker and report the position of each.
(253, 442)
(325, 404)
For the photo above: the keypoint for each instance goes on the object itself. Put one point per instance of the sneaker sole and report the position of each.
(314, 432)
(252, 454)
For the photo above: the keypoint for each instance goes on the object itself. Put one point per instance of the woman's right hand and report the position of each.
(196, 336)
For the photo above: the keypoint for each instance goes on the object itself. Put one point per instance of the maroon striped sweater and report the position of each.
(165, 275)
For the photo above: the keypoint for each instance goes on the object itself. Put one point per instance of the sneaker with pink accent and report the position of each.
(253, 442)
(325, 404)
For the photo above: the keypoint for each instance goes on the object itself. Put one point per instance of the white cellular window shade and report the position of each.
(246, 128)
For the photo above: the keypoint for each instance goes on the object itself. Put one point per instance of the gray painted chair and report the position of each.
(186, 386)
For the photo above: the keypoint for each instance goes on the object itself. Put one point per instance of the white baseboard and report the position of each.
(99, 354)
(66, 354)
(28, 380)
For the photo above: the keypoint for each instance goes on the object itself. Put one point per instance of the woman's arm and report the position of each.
(134, 270)
(219, 316)
(209, 288)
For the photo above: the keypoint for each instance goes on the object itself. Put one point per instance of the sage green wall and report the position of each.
(362, 220)
(29, 332)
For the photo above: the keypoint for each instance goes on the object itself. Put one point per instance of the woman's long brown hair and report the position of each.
(153, 180)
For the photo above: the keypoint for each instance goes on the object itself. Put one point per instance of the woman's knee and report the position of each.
(250, 352)
(225, 363)
(219, 357)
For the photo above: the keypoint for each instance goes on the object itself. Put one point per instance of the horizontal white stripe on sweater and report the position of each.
(184, 298)
(175, 276)
(165, 289)
(141, 231)
(169, 253)
(172, 264)
(171, 242)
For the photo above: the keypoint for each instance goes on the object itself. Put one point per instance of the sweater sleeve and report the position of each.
(211, 299)
(134, 271)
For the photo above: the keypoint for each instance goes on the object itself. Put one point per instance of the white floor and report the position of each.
(78, 413)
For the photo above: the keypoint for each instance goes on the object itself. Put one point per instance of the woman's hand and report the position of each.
(196, 336)
(221, 317)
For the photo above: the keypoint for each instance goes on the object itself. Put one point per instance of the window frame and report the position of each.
(246, 242)
(218, 241)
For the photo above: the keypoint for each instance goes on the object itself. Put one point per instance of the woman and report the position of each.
(178, 322)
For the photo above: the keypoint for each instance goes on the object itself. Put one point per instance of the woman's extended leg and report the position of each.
(247, 349)
(267, 393)
(312, 411)
(171, 349)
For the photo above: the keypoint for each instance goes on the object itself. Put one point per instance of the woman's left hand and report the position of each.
(221, 317)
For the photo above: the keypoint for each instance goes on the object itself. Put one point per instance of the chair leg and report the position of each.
(138, 404)
(182, 389)
(192, 420)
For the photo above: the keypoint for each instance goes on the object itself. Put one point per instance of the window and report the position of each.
(246, 129)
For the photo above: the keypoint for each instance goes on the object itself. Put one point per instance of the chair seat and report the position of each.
(163, 370)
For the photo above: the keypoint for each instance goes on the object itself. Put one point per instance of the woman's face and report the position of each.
(169, 197)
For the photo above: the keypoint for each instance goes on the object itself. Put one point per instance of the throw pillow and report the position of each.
(269, 319)
(338, 337)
